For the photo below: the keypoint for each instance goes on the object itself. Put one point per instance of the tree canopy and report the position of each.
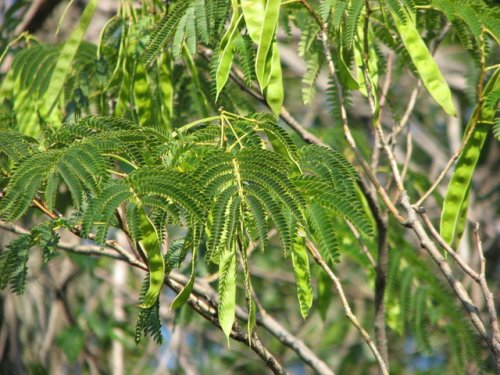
(311, 181)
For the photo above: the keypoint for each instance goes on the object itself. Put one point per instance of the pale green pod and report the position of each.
(427, 67)
(65, 60)
(456, 199)
(274, 92)
(227, 54)
(156, 265)
(264, 49)
(300, 263)
(227, 291)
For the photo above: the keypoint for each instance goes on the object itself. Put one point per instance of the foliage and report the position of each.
(146, 133)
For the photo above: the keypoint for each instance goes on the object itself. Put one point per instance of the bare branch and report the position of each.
(488, 297)
(210, 296)
(347, 308)
(201, 306)
(469, 271)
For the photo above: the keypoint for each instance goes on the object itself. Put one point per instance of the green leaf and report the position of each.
(183, 296)
(193, 240)
(338, 12)
(324, 290)
(51, 190)
(496, 129)
(280, 140)
(133, 219)
(300, 263)
(13, 262)
(24, 184)
(248, 295)
(148, 320)
(324, 231)
(353, 14)
(419, 320)
(346, 76)
(426, 66)
(163, 30)
(143, 96)
(72, 341)
(372, 67)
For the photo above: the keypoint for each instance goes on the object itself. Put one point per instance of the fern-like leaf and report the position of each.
(243, 47)
(164, 30)
(25, 183)
(496, 128)
(148, 321)
(101, 211)
(13, 263)
(323, 227)
(353, 14)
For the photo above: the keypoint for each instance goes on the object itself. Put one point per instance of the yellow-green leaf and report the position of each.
(345, 75)
(183, 296)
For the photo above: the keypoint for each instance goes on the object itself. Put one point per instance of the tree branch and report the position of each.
(488, 297)
(345, 304)
(412, 220)
(115, 251)
(200, 305)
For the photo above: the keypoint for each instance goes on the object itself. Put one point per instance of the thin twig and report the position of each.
(406, 164)
(265, 321)
(362, 244)
(412, 221)
(347, 131)
(451, 161)
(454, 254)
(382, 224)
(409, 150)
(408, 111)
(488, 297)
(387, 81)
(347, 308)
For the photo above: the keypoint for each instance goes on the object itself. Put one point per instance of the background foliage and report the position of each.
(278, 165)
